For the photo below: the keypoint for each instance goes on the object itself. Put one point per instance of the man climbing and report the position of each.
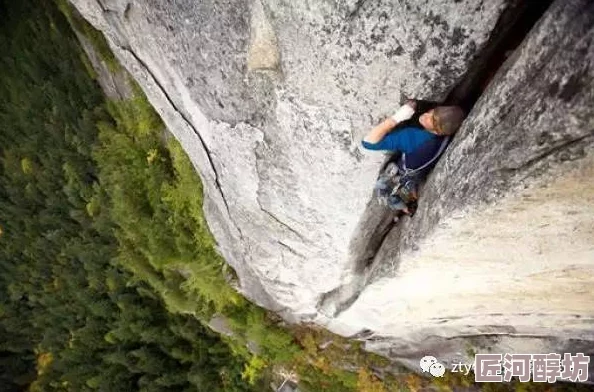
(417, 140)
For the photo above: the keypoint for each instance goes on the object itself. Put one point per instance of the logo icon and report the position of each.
(430, 364)
(437, 370)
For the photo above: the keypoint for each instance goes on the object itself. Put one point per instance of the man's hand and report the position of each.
(405, 112)
(412, 103)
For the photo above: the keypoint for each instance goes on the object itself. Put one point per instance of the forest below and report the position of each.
(92, 210)
(109, 275)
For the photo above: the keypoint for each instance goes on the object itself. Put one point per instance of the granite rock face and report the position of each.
(270, 99)
(500, 254)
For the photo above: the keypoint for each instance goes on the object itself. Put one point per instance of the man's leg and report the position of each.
(396, 204)
(382, 187)
(386, 182)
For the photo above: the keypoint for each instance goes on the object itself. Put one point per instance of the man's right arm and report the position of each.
(378, 134)
(380, 131)
(395, 141)
(404, 113)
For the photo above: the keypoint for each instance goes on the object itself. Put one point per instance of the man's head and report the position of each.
(443, 120)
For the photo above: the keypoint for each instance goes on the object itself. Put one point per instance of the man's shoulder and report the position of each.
(418, 131)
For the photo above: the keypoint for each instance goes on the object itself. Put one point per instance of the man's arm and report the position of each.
(393, 141)
(378, 133)
(402, 114)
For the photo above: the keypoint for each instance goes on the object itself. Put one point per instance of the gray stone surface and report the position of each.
(500, 254)
(270, 99)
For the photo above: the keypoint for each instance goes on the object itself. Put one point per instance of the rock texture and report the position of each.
(501, 253)
(270, 99)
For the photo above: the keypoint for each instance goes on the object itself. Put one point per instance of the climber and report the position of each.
(417, 133)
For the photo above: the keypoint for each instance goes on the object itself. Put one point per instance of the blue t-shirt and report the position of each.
(405, 140)
(419, 145)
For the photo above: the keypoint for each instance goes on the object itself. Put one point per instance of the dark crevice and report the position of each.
(535, 314)
(103, 8)
(280, 222)
(378, 237)
(290, 249)
(375, 225)
(532, 161)
(509, 32)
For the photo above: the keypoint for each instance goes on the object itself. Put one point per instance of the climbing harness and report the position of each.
(397, 184)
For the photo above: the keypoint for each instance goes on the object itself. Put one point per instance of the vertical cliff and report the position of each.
(501, 251)
(270, 99)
